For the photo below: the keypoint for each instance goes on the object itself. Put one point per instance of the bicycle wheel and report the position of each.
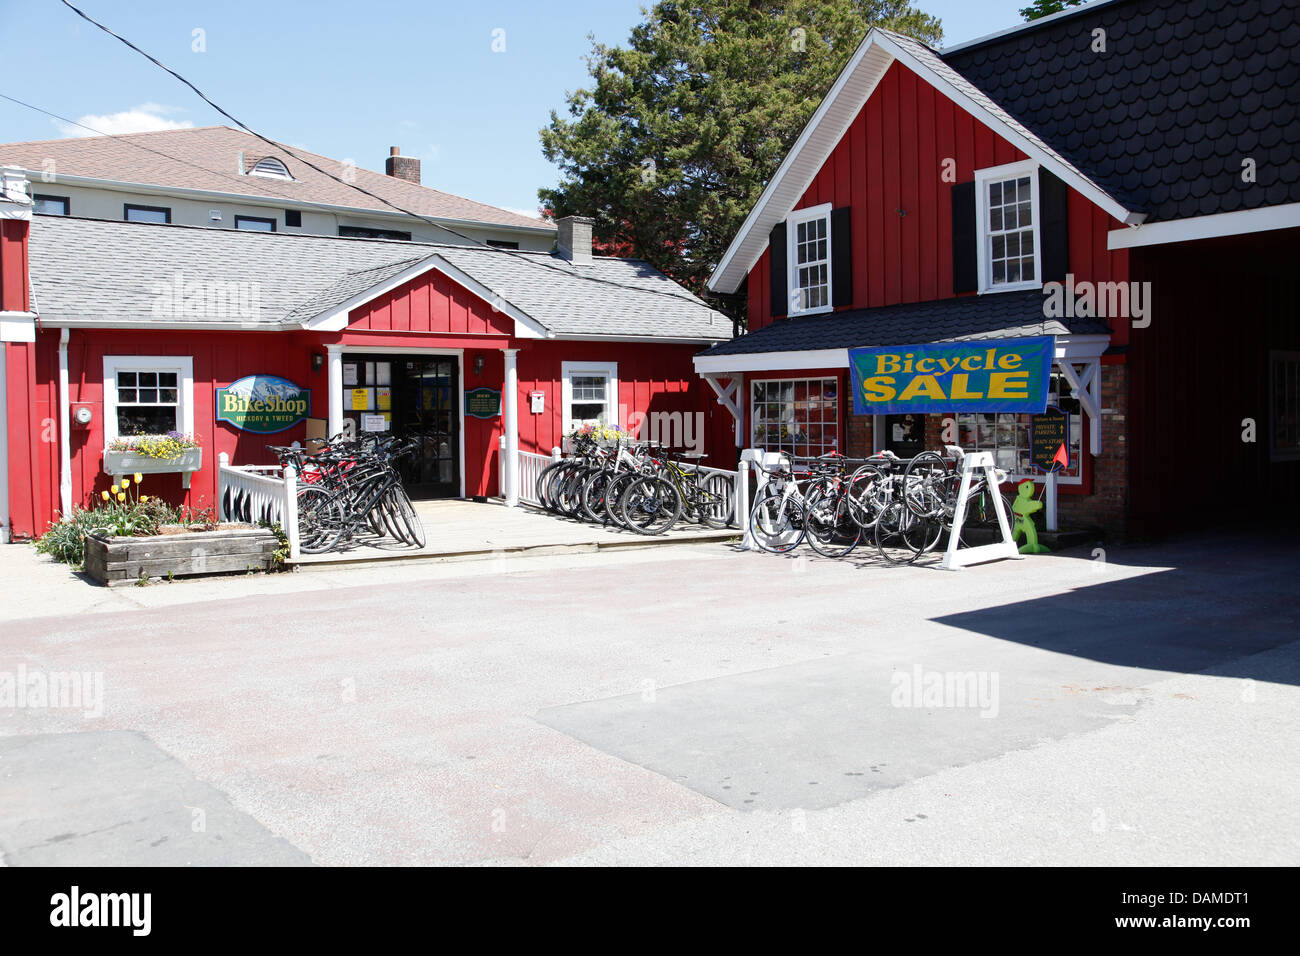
(716, 500)
(593, 497)
(651, 506)
(891, 533)
(924, 482)
(411, 522)
(829, 524)
(320, 520)
(545, 478)
(618, 486)
(776, 522)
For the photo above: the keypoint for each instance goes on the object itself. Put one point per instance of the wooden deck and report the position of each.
(469, 530)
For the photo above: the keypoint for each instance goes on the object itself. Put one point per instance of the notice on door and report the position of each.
(374, 423)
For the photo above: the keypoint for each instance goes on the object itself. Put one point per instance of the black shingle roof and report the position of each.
(1162, 120)
(997, 315)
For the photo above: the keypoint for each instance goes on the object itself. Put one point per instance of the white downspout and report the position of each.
(510, 425)
(65, 426)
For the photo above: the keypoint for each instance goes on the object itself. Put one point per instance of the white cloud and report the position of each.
(145, 118)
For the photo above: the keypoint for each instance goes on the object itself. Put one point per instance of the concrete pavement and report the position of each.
(622, 708)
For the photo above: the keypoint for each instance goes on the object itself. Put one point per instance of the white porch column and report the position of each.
(4, 445)
(510, 426)
(65, 425)
(335, 422)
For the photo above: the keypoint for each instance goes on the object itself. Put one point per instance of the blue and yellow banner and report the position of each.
(996, 375)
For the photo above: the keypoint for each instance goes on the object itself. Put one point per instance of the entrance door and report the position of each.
(428, 400)
(905, 435)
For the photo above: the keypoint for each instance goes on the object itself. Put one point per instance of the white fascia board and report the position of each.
(662, 339)
(17, 326)
(336, 320)
(1081, 348)
(278, 202)
(771, 361)
(797, 171)
(801, 170)
(1243, 221)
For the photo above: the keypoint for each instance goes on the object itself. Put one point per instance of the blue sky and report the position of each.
(344, 79)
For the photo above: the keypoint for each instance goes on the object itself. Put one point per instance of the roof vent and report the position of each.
(271, 168)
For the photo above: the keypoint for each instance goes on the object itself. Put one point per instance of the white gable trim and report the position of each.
(1286, 216)
(336, 319)
(819, 138)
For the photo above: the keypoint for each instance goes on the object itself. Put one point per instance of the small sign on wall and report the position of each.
(264, 404)
(374, 423)
(537, 402)
(483, 403)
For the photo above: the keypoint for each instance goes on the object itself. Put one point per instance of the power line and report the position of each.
(680, 295)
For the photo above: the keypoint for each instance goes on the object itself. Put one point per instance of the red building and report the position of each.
(110, 328)
(1123, 177)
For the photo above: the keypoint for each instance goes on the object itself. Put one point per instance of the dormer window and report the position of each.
(808, 250)
(1008, 217)
(271, 168)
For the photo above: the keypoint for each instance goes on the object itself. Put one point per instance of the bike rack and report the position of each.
(957, 558)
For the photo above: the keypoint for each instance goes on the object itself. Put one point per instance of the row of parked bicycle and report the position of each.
(639, 486)
(905, 507)
(348, 488)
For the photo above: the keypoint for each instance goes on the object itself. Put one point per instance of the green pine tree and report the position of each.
(678, 132)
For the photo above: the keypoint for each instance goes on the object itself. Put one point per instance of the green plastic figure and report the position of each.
(1022, 508)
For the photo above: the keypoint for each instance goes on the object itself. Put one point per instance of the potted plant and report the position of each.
(153, 455)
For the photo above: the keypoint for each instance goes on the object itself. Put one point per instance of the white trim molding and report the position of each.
(183, 365)
(771, 361)
(17, 326)
(570, 369)
(1286, 216)
(5, 522)
(983, 177)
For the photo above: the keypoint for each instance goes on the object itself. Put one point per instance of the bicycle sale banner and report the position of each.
(994, 375)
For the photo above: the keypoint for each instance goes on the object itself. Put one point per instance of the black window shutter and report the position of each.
(965, 235)
(1054, 232)
(776, 266)
(841, 257)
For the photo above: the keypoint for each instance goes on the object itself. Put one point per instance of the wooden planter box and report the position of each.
(119, 464)
(124, 560)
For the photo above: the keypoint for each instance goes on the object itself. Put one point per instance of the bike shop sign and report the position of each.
(263, 404)
(995, 375)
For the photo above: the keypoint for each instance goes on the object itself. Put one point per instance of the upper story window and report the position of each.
(271, 168)
(132, 213)
(362, 232)
(808, 249)
(254, 224)
(1007, 213)
(51, 205)
(502, 243)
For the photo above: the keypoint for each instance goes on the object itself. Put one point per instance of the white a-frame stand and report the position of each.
(955, 559)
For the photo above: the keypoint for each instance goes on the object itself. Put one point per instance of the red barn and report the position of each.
(1123, 177)
(247, 338)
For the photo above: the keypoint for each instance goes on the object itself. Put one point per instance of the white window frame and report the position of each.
(791, 252)
(568, 370)
(755, 442)
(183, 365)
(983, 248)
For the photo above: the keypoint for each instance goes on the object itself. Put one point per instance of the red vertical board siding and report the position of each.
(13, 265)
(892, 156)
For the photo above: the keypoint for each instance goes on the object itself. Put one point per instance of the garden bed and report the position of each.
(177, 551)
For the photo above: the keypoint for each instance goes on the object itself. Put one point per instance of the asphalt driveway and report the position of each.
(690, 705)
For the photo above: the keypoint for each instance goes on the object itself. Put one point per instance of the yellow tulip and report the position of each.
(121, 496)
(144, 497)
(105, 494)
(138, 477)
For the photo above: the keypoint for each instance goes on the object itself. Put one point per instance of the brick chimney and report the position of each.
(402, 167)
(574, 239)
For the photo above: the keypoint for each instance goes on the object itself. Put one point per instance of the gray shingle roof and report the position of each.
(999, 315)
(1185, 90)
(119, 273)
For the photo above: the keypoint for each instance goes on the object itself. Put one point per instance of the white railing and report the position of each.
(731, 486)
(253, 493)
(531, 465)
